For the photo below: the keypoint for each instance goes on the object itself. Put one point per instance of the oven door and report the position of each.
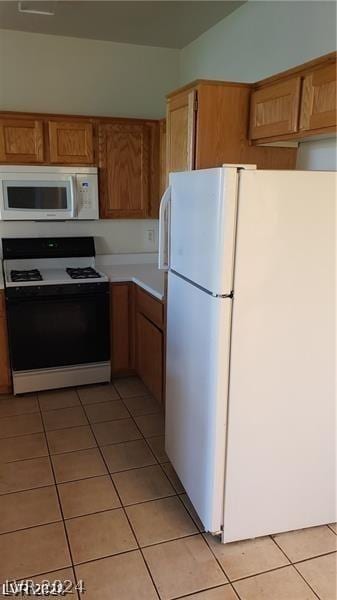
(47, 332)
(48, 197)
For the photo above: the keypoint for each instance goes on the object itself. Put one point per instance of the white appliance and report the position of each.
(251, 361)
(48, 193)
(57, 313)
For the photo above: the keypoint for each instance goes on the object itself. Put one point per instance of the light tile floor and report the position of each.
(87, 493)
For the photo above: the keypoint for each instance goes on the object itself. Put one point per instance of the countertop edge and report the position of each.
(137, 281)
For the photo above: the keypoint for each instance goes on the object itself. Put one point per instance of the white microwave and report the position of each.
(48, 193)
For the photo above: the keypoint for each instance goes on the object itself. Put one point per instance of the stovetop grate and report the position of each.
(26, 275)
(82, 273)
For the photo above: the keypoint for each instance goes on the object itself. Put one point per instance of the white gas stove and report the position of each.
(58, 313)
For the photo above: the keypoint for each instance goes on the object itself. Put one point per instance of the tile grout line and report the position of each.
(209, 589)
(220, 565)
(58, 495)
(123, 508)
(331, 529)
(294, 566)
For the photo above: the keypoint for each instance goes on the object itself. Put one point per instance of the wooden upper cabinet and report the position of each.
(124, 161)
(318, 108)
(180, 131)
(21, 141)
(71, 142)
(162, 157)
(275, 109)
(207, 126)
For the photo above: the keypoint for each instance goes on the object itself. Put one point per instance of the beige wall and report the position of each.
(318, 155)
(261, 38)
(47, 73)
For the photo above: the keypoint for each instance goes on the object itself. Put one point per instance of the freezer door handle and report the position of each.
(164, 231)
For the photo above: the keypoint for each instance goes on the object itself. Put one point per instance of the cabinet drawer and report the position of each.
(150, 307)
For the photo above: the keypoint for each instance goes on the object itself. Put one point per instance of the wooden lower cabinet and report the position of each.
(122, 329)
(5, 376)
(137, 336)
(149, 352)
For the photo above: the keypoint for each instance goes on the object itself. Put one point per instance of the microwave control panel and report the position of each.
(87, 196)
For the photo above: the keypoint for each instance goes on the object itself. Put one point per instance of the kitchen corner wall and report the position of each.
(46, 73)
(262, 38)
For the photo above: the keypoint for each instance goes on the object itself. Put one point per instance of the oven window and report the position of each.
(53, 332)
(37, 197)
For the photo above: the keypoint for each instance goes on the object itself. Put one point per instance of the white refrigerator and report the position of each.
(251, 356)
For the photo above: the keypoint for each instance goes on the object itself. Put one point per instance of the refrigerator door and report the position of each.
(203, 223)
(198, 339)
(281, 449)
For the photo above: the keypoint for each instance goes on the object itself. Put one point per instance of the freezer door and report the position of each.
(281, 449)
(198, 336)
(203, 222)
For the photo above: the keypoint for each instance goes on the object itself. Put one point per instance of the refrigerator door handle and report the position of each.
(164, 231)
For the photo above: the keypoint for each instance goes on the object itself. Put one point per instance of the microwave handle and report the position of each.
(73, 195)
(164, 231)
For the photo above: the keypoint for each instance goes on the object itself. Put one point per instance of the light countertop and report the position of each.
(141, 269)
(147, 276)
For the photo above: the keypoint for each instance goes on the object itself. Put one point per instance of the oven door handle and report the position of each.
(55, 298)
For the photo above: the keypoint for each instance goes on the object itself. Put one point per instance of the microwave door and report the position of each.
(42, 199)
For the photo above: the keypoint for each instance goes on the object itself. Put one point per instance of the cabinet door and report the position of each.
(71, 142)
(5, 378)
(21, 141)
(275, 109)
(150, 356)
(121, 319)
(162, 157)
(318, 107)
(124, 161)
(180, 131)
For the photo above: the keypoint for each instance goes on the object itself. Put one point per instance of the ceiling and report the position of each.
(169, 24)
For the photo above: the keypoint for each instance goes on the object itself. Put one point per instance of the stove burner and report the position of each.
(82, 273)
(32, 275)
